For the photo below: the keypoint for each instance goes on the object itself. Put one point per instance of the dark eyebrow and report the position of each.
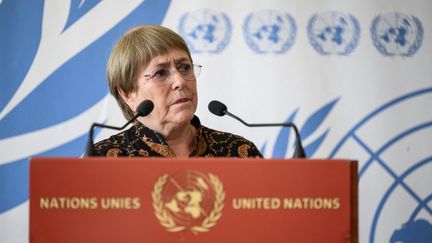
(176, 61)
(180, 60)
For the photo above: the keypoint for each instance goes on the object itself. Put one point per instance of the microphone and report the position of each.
(145, 108)
(220, 109)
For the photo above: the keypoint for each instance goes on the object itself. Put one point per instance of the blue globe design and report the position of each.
(398, 210)
(269, 31)
(419, 231)
(333, 33)
(205, 30)
(396, 34)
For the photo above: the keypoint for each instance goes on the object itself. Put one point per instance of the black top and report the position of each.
(141, 141)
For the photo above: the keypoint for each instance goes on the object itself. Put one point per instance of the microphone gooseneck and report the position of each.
(143, 109)
(220, 109)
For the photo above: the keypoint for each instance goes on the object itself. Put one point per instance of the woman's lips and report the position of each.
(182, 100)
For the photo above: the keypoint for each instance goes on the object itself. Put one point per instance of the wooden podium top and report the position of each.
(192, 200)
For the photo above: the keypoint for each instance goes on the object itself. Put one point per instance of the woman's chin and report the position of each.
(183, 117)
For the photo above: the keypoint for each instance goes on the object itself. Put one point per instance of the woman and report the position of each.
(154, 63)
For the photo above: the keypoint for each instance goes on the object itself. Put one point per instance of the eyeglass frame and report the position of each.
(196, 71)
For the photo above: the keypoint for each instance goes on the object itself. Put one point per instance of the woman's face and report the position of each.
(168, 82)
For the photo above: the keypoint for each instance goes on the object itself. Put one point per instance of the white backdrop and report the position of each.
(355, 76)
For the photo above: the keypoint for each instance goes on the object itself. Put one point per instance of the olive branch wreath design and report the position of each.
(166, 221)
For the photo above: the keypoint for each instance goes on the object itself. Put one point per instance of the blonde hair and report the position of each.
(134, 51)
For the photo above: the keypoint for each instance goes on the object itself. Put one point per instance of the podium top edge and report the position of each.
(302, 160)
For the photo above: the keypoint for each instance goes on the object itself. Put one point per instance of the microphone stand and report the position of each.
(90, 151)
(299, 150)
(143, 110)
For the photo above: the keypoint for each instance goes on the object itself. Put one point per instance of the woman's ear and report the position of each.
(129, 98)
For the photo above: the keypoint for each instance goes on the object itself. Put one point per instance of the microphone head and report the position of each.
(217, 108)
(145, 108)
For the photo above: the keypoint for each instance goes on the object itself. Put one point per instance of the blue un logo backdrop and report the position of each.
(269, 31)
(206, 30)
(52, 86)
(396, 34)
(333, 33)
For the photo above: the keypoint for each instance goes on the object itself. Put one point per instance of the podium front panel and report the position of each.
(192, 200)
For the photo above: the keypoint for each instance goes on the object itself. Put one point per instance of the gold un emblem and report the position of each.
(188, 200)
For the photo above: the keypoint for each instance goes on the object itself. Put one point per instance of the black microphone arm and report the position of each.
(219, 109)
(145, 108)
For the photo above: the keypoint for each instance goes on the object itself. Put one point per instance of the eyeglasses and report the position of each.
(163, 75)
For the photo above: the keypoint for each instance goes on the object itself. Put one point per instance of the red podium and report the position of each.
(192, 200)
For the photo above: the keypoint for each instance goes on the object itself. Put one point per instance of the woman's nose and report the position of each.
(177, 80)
